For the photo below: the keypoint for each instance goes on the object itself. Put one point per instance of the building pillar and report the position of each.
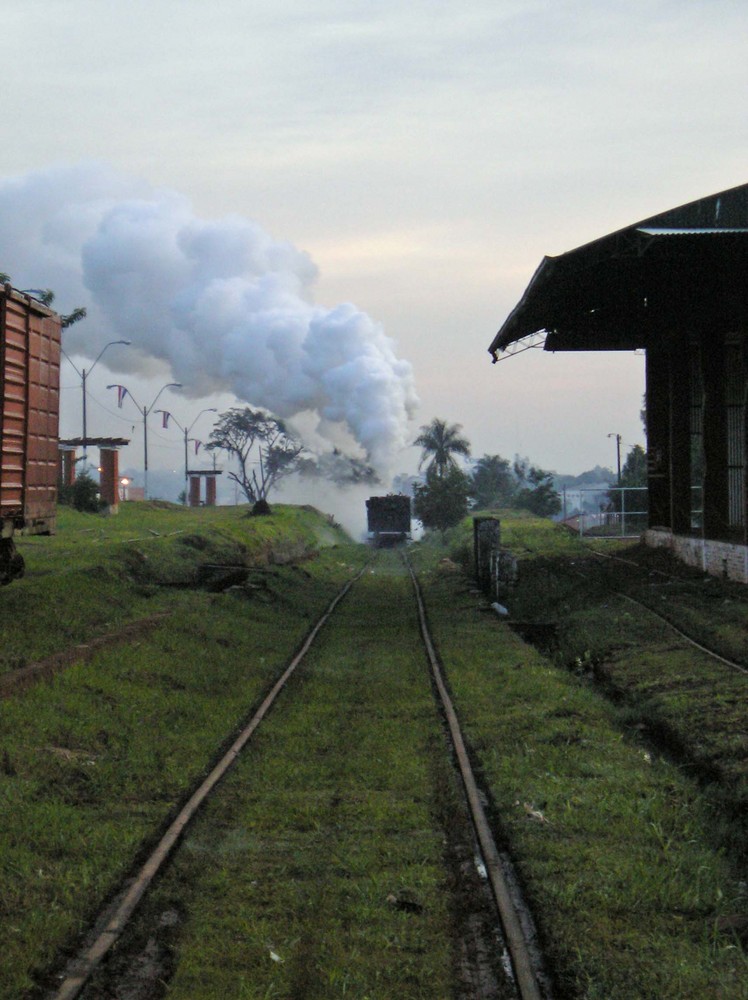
(658, 437)
(715, 436)
(210, 491)
(680, 440)
(736, 427)
(194, 491)
(109, 478)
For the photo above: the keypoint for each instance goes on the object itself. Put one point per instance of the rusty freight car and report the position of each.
(29, 414)
(388, 520)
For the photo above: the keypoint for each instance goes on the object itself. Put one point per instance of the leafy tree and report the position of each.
(340, 468)
(265, 451)
(440, 442)
(83, 495)
(46, 296)
(442, 501)
(493, 483)
(535, 490)
(634, 471)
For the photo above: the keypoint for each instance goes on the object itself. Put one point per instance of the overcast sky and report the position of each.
(420, 160)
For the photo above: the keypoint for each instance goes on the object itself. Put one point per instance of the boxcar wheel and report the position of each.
(12, 566)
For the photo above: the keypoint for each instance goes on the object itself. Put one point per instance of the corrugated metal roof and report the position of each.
(603, 294)
(687, 231)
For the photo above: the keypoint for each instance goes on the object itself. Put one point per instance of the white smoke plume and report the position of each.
(226, 307)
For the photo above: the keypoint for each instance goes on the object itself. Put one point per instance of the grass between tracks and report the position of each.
(625, 863)
(318, 870)
(637, 882)
(92, 763)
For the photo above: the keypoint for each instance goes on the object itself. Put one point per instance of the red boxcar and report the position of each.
(29, 417)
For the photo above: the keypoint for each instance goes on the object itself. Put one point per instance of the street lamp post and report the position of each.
(145, 410)
(186, 432)
(83, 374)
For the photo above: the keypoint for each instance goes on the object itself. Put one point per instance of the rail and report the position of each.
(523, 964)
(83, 965)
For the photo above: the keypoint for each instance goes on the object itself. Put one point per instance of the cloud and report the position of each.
(225, 306)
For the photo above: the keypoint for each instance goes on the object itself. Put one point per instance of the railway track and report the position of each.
(515, 949)
(734, 664)
(525, 963)
(630, 590)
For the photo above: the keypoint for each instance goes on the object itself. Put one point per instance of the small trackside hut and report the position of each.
(388, 520)
(676, 286)
(29, 416)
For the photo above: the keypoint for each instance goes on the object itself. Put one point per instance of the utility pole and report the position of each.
(145, 410)
(187, 439)
(618, 455)
(83, 375)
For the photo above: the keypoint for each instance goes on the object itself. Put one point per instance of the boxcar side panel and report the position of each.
(29, 412)
(13, 355)
(42, 423)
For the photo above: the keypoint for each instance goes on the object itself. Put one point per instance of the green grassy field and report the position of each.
(620, 852)
(615, 766)
(99, 572)
(288, 884)
(690, 706)
(94, 762)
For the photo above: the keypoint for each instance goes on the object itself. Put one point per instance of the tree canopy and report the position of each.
(440, 442)
(633, 474)
(443, 500)
(634, 471)
(264, 449)
(46, 296)
(496, 483)
(535, 490)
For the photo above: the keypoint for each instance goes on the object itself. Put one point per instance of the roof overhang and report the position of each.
(621, 291)
(94, 442)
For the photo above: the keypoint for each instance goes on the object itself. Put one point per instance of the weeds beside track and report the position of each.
(615, 843)
(333, 862)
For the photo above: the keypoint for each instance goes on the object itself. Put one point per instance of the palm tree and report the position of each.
(440, 442)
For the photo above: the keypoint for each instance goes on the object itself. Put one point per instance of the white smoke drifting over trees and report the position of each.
(227, 308)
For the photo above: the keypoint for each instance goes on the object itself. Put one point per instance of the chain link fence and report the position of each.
(613, 512)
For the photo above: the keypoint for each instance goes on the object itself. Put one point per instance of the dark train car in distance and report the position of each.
(29, 421)
(388, 519)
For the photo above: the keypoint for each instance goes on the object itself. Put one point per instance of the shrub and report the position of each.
(83, 495)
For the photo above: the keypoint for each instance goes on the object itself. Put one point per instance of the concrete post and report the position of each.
(194, 491)
(109, 478)
(66, 466)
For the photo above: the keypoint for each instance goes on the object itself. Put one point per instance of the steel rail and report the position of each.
(80, 969)
(704, 649)
(522, 964)
(733, 664)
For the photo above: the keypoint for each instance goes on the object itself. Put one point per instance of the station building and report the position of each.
(676, 286)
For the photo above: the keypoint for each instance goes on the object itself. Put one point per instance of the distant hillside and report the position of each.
(591, 479)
